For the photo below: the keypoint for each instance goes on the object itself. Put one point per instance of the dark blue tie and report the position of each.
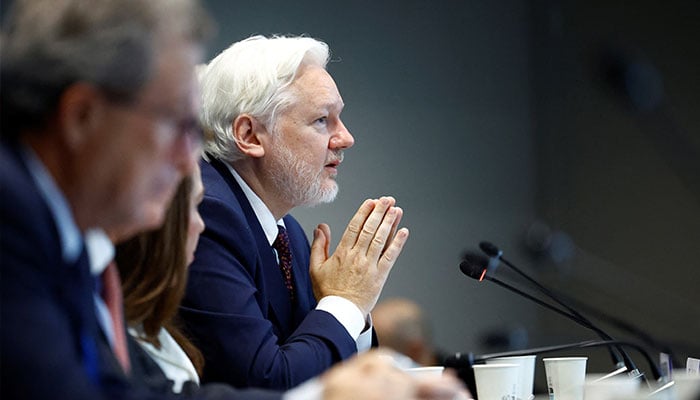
(88, 334)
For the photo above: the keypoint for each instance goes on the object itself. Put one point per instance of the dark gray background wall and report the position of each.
(613, 176)
(483, 117)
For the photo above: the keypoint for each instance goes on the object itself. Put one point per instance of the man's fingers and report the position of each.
(392, 252)
(326, 230)
(355, 225)
(374, 222)
(319, 246)
(383, 235)
(394, 228)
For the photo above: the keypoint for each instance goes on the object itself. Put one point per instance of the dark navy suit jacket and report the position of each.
(51, 346)
(237, 306)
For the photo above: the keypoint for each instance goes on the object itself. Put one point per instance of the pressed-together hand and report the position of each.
(360, 265)
(372, 375)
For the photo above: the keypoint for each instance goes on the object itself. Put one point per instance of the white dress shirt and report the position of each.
(171, 358)
(101, 252)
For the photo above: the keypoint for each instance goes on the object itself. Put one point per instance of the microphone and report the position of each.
(474, 266)
(494, 252)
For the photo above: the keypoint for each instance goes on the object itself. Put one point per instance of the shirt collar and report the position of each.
(68, 232)
(265, 217)
(100, 249)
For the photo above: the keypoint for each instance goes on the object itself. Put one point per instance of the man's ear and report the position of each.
(246, 133)
(79, 110)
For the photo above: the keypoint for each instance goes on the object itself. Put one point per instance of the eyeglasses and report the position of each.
(186, 126)
(189, 127)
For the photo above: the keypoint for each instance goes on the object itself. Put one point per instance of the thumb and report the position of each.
(319, 248)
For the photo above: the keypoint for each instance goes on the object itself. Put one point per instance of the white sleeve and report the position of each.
(349, 315)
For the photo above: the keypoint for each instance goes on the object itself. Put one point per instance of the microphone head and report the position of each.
(474, 265)
(490, 249)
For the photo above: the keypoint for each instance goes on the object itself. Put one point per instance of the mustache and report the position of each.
(335, 156)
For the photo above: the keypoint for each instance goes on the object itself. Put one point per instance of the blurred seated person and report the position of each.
(402, 326)
(153, 267)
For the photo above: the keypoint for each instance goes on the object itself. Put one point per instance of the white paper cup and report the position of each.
(425, 372)
(686, 385)
(526, 373)
(598, 387)
(565, 377)
(496, 381)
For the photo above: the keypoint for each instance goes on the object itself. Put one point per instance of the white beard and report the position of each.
(298, 182)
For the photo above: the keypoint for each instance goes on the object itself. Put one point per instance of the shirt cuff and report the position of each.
(346, 312)
(364, 341)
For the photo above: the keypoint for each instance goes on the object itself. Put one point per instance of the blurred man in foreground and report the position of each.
(98, 128)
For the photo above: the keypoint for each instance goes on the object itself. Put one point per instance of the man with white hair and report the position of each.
(267, 310)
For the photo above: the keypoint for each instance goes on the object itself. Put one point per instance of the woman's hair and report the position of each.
(153, 268)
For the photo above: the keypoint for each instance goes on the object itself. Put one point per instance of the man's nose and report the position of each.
(342, 138)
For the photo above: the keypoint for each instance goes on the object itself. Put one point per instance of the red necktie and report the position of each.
(281, 244)
(112, 296)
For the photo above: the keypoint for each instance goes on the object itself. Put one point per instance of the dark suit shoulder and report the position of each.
(224, 214)
(28, 235)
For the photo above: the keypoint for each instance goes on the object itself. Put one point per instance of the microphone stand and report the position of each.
(474, 267)
(492, 251)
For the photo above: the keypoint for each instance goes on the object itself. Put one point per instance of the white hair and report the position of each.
(251, 77)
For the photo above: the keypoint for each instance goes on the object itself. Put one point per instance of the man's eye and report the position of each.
(321, 120)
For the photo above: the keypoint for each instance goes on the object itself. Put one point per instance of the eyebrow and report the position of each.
(332, 105)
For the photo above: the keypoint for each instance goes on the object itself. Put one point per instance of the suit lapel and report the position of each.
(274, 289)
